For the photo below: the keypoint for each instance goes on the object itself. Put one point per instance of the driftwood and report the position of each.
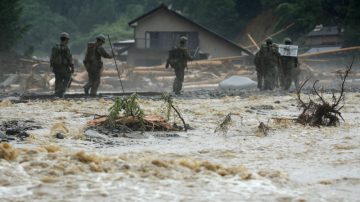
(253, 41)
(330, 51)
(322, 113)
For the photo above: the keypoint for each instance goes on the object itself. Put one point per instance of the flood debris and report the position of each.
(60, 136)
(224, 125)
(126, 116)
(15, 129)
(323, 113)
(283, 122)
(169, 104)
(263, 129)
(59, 130)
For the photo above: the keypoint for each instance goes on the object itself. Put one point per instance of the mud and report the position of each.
(290, 163)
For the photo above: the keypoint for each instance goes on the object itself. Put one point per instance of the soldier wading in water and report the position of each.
(178, 58)
(62, 64)
(289, 69)
(266, 61)
(93, 64)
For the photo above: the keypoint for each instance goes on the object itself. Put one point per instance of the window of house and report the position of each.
(167, 40)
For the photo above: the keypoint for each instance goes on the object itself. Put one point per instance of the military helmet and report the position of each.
(287, 40)
(101, 37)
(65, 35)
(183, 39)
(269, 40)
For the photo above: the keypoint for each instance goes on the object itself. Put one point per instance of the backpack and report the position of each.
(176, 56)
(90, 53)
(56, 59)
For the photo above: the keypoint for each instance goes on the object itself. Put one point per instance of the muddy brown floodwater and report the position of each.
(292, 163)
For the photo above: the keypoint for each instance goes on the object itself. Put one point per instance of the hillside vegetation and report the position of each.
(37, 23)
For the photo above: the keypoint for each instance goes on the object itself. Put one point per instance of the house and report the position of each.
(158, 31)
(323, 38)
(121, 48)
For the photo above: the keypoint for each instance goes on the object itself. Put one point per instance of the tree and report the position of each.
(44, 26)
(10, 26)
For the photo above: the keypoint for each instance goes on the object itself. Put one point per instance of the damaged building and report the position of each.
(158, 30)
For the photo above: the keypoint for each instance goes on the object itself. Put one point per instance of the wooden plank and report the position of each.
(330, 51)
(253, 41)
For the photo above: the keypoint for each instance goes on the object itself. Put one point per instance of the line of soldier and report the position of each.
(63, 67)
(275, 70)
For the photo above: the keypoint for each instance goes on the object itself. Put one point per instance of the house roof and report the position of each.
(325, 31)
(164, 7)
(322, 49)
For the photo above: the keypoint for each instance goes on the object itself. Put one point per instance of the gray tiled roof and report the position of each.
(325, 31)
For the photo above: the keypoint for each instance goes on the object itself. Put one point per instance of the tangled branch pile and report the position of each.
(127, 114)
(323, 113)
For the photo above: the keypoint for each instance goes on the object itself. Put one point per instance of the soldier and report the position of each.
(62, 64)
(289, 69)
(93, 64)
(178, 58)
(267, 60)
(259, 71)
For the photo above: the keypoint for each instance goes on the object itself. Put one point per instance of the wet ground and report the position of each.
(291, 163)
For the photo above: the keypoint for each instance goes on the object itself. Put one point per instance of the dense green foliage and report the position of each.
(10, 28)
(84, 19)
(128, 106)
(308, 13)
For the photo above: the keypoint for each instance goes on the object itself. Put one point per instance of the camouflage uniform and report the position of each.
(259, 71)
(289, 69)
(268, 57)
(178, 58)
(93, 64)
(62, 66)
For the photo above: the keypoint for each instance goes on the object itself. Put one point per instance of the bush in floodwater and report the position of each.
(128, 106)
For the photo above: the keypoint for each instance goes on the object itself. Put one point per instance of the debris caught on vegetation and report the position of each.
(263, 129)
(169, 103)
(127, 116)
(129, 107)
(323, 113)
(224, 125)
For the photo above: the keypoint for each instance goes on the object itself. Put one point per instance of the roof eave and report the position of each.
(163, 6)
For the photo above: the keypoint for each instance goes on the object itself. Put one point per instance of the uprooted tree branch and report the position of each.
(323, 112)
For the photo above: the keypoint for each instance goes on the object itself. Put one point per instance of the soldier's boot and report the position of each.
(87, 88)
(60, 93)
(94, 88)
(259, 81)
(176, 88)
(269, 83)
(93, 92)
